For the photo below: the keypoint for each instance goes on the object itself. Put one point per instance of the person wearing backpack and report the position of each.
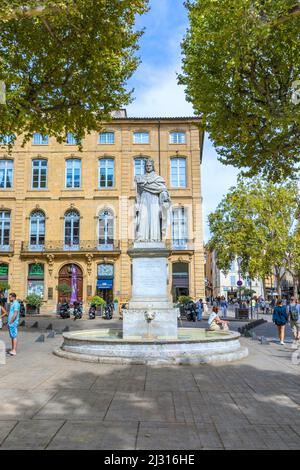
(280, 318)
(294, 318)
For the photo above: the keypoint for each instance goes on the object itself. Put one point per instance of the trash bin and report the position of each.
(242, 313)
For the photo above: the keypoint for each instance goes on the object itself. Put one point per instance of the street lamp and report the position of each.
(239, 260)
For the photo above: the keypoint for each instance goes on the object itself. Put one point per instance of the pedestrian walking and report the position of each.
(224, 306)
(199, 309)
(293, 310)
(280, 318)
(13, 321)
(205, 308)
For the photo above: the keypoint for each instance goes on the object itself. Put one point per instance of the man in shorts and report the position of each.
(13, 321)
(293, 310)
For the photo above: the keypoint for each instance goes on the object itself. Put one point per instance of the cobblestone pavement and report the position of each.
(53, 403)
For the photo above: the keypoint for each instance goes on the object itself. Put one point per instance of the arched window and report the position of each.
(139, 166)
(4, 230)
(72, 225)
(37, 230)
(178, 172)
(106, 230)
(179, 228)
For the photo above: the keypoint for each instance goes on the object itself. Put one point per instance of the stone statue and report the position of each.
(153, 205)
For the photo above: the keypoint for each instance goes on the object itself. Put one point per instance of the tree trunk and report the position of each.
(278, 278)
(278, 283)
(295, 286)
(264, 287)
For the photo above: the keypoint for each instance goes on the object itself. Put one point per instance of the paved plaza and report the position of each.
(53, 403)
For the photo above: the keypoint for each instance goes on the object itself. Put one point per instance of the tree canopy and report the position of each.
(258, 222)
(65, 64)
(241, 70)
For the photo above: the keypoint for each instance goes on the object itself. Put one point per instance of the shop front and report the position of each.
(35, 280)
(70, 275)
(105, 282)
(180, 280)
(3, 282)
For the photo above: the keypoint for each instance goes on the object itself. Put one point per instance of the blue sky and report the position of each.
(157, 93)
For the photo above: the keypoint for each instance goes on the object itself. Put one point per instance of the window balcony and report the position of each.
(173, 245)
(7, 248)
(182, 245)
(85, 246)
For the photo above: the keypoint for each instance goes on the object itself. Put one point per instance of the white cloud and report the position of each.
(159, 95)
(216, 180)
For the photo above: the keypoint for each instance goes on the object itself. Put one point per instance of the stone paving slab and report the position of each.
(83, 435)
(31, 434)
(142, 406)
(77, 404)
(250, 404)
(5, 428)
(175, 436)
(22, 405)
(258, 437)
(179, 380)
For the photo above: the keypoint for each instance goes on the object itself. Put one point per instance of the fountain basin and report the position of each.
(193, 346)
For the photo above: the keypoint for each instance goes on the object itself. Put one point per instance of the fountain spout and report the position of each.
(149, 317)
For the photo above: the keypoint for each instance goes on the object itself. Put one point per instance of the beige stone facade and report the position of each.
(20, 201)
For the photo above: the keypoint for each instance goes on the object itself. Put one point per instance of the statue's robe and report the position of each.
(151, 192)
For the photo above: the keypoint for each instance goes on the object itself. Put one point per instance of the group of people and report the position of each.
(13, 315)
(284, 314)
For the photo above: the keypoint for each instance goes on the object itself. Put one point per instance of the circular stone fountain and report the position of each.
(193, 346)
(150, 333)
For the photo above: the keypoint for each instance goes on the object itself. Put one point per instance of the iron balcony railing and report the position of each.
(60, 246)
(174, 245)
(7, 247)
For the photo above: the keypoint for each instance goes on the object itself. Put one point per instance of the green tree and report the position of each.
(65, 64)
(258, 222)
(241, 70)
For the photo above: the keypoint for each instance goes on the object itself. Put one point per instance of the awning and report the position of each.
(104, 283)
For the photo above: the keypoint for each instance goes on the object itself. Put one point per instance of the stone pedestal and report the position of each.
(150, 294)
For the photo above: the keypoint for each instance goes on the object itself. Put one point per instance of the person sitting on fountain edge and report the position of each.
(214, 321)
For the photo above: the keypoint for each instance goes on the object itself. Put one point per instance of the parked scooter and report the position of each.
(22, 308)
(77, 310)
(108, 311)
(64, 310)
(92, 312)
(190, 311)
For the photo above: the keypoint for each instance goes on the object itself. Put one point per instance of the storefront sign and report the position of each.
(104, 283)
(4, 270)
(36, 270)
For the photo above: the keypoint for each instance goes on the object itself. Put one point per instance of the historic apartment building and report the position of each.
(67, 216)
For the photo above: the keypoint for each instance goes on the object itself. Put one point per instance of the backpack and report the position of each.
(293, 312)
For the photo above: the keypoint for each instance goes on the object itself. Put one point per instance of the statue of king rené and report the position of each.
(153, 206)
